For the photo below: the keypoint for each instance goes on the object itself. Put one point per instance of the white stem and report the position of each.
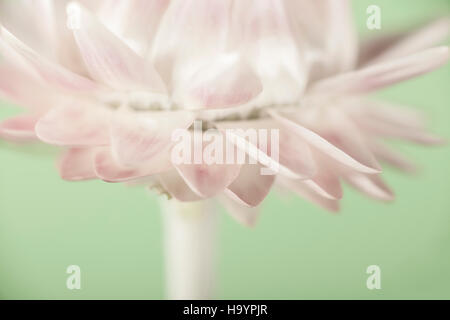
(190, 231)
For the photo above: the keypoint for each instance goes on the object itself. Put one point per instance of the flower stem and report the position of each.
(190, 238)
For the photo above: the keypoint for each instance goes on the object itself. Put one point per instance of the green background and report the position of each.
(297, 251)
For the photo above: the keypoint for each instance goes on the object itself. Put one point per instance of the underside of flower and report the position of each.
(111, 81)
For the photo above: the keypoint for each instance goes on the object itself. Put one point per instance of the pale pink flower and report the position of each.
(112, 86)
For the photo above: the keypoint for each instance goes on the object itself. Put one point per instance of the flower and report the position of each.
(110, 81)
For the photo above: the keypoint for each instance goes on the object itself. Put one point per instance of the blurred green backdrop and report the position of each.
(297, 251)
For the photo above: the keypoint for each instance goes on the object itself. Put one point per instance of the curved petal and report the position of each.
(36, 30)
(319, 143)
(373, 186)
(389, 130)
(208, 180)
(107, 168)
(225, 82)
(250, 187)
(133, 21)
(190, 32)
(136, 139)
(326, 181)
(50, 72)
(22, 88)
(74, 126)
(427, 36)
(305, 191)
(175, 185)
(77, 164)
(392, 157)
(19, 128)
(343, 133)
(211, 174)
(383, 74)
(107, 58)
(277, 149)
(260, 30)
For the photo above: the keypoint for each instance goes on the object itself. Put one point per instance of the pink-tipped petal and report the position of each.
(107, 168)
(74, 125)
(392, 157)
(108, 59)
(373, 186)
(417, 40)
(226, 82)
(77, 164)
(390, 130)
(208, 180)
(210, 174)
(19, 128)
(136, 139)
(326, 181)
(285, 155)
(36, 30)
(260, 29)
(50, 72)
(175, 185)
(250, 187)
(383, 74)
(319, 143)
(19, 86)
(305, 191)
(344, 134)
(190, 33)
(134, 21)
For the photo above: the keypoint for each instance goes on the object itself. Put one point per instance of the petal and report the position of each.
(305, 191)
(53, 74)
(134, 21)
(77, 164)
(284, 155)
(36, 30)
(208, 180)
(324, 30)
(341, 34)
(371, 185)
(74, 126)
(421, 39)
(296, 155)
(250, 187)
(20, 87)
(190, 33)
(241, 213)
(107, 58)
(207, 177)
(343, 133)
(226, 82)
(107, 168)
(383, 74)
(319, 143)
(19, 128)
(391, 130)
(136, 139)
(326, 181)
(260, 30)
(393, 121)
(392, 157)
(175, 185)
(391, 113)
